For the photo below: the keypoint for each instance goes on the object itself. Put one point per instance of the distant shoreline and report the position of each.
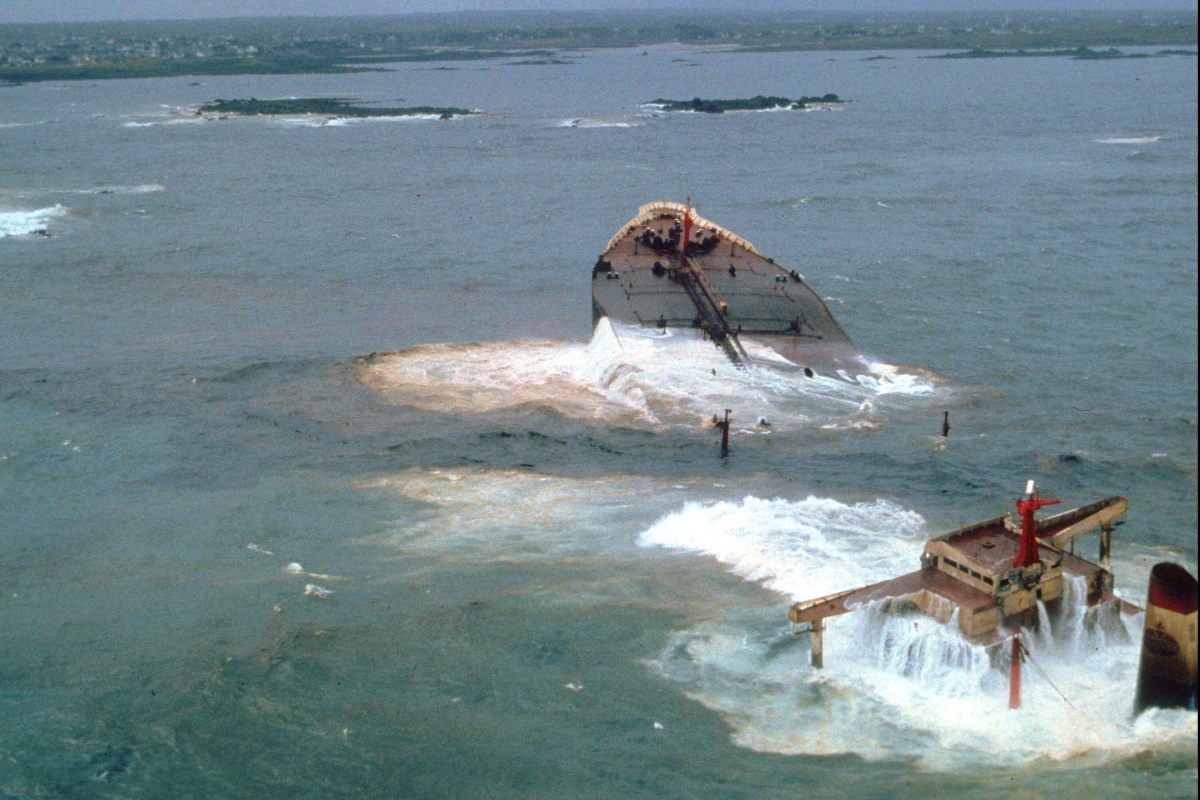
(1078, 53)
(35, 52)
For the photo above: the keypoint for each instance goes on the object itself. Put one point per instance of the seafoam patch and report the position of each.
(513, 515)
(1129, 140)
(14, 222)
(585, 122)
(635, 377)
(317, 121)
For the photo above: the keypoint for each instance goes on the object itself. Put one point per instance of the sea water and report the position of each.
(316, 482)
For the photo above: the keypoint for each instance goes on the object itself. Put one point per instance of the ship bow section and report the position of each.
(669, 268)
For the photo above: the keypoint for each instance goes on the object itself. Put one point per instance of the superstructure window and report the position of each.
(950, 562)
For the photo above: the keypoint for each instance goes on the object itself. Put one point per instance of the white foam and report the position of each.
(786, 544)
(593, 123)
(323, 121)
(634, 377)
(1129, 140)
(139, 124)
(398, 118)
(307, 122)
(144, 188)
(295, 568)
(883, 379)
(895, 685)
(23, 223)
(770, 110)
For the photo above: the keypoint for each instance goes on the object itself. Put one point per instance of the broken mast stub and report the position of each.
(669, 268)
(992, 573)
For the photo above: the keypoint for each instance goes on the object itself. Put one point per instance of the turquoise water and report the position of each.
(531, 574)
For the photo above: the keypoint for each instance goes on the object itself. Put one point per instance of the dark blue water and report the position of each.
(241, 558)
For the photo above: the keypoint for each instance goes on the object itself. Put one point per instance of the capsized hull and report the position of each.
(718, 283)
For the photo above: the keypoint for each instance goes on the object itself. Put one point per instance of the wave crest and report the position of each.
(24, 223)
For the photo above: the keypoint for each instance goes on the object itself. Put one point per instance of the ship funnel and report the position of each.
(1167, 672)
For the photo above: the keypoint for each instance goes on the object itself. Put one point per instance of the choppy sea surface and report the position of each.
(315, 482)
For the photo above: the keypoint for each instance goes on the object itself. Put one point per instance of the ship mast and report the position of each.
(710, 307)
(1027, 555)
(687, 228)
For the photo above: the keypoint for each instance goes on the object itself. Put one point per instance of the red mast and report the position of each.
(1028, 554)
(687, 228)
(1014, 672)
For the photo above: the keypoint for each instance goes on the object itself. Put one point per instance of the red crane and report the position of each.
(1028, 553)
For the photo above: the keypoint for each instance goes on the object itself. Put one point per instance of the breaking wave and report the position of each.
(638, 378)
(144, 188)
(24, 223)
(593, 123)
(316, 121)
(171, 121)
(785, 544)
(1129, 140)
(894, 685)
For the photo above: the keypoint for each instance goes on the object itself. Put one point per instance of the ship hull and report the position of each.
(718, 284)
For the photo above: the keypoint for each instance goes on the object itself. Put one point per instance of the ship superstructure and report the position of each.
(1005, 575)
(993, 574)
(668, 268)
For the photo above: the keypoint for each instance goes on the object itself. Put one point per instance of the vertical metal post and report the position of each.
(1106, 546)
(1014, 674)
(725, 435)
(817, 637)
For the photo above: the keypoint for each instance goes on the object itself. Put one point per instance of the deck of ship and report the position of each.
(754, 297)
